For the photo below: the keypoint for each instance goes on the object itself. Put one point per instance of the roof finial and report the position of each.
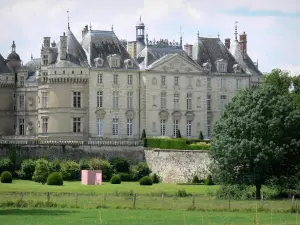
(68, 20)
(90, 26)
(112, 27)
(235, 29)
(31, 56)
(13, 47)
(141, 18)
(198, 34)
(218, 35)
(181, 34)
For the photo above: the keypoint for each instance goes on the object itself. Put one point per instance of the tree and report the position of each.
(178, 134)
(120, 165)
(257, 138)
(143, 134)
(41, 172)
(201, 136)
(279, 79)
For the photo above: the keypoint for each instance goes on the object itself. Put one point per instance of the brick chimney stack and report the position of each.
(243, 44)
(227, 43)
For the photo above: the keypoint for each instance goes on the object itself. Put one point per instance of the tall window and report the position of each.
(163, 100)
(223, 84)
(76, 99)
(208, 82)
(129, 127)
(162, 127)
(189, 101)
(99, 99)
(163, 80)
(238, 83)
(21, 101)
(175, 127)
(77, 125)
(176, 101)
(208, 102)
(129, 100)
(44, 99)
(116, 76)
(45, 59)
(188, 128)
(129, 79)
(22, 126)
(45, 125)
(115, 128)
(176, 81)
(115, 99)
(208, 128)
(100, 78)
(223, 101)
(22, 81)
(100, 128)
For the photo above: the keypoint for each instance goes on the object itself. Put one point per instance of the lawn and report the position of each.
(73, 187)
(138, 217)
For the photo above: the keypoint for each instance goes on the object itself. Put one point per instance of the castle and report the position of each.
(94, 89)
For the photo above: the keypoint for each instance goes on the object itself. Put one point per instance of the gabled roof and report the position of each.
(3, 67)
(98, 43)
(211, 50)
(246, 62)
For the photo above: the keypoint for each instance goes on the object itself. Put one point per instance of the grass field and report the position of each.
(73, 187)
(139, 217)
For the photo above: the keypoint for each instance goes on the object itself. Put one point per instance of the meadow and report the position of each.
(10, 216)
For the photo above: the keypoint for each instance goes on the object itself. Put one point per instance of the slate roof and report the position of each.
(76, 56)
(211, 50)
(98, 43)
(3, 67)
(151, 54)
(246, 63)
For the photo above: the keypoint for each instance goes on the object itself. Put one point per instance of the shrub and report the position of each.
(6, 165)
(84, 164)
(126, 176)
(195, 180)
(155, 179)
(54, 166)
(70, 170)
(141, 170)
(120, 165)
(115, 179)
(101, 164)
(181, 193)
(199, 146)
(146, 181)
(209, 180)
(27, 169)
(55, 179)
(41, 171)
(178, 134)
(6, 177)
(201, 135)
(143, 134)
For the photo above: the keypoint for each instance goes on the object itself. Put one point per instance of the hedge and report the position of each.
(177, 143)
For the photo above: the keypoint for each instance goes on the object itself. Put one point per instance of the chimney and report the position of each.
(84, 31)
(63, 47)
(46, 42)
(243, 44)
(227, 43)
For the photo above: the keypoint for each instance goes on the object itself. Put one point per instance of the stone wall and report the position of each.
(134, 154)
(178, 166)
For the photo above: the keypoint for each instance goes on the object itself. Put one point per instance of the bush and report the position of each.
(178, 134)
(84, 164)
(143, 134)
(55, 179)
(199, 146)
(195, 180)
(70, 170)
(155, 179)
(201, 136)
(6, 165)
(209, 180)
(41, 171)
(141, 170)
(54, 166)
(146, 181)
(101, 164)
(181, 193)
(6, 177)
(126, 176)
(115, 180)
(27, 169)
(120, 165)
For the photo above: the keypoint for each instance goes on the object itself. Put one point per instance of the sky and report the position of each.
(272, 26)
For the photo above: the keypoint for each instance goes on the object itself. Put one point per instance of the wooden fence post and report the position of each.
(194, 202)
(48, 196)
(134, 200)
(162, 200)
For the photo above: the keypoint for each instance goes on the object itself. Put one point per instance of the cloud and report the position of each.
(271, 39)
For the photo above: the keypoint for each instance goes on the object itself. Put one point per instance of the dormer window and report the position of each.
(128, 63)
(237, 68)
(221, 65)
(207, 66)
(114, 61)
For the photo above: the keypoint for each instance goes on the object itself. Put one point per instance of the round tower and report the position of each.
(140, 36)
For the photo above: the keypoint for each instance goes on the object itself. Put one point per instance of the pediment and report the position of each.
(175, 63)
(100, 114)
(190, 115)
(130, 114)
(163, 114)
(176, 115)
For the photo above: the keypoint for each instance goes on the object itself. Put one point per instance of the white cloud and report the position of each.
(272, 40)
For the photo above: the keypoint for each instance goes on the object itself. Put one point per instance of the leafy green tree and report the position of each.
(279, 79)
(41, 172)
(257, 138)
(120, 165)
